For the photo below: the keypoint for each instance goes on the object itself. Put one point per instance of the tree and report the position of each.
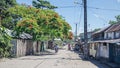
(42, 24)
(4, 5)
(96, 29)
(4, 43)
(27, 26)
(4, 37)
(117, 20)
(70, 36)
(43, 4)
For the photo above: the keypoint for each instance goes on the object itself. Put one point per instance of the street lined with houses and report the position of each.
(63, 59)
(59, 34)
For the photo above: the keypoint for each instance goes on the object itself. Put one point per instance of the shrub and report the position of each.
(5, 46)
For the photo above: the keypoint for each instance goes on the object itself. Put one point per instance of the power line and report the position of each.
(103, 9)
(99, 17)
(66, 7)
(89, 7)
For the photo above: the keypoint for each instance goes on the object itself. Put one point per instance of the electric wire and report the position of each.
(97, 8)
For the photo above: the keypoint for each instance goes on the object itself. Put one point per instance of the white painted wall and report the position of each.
(92, 50)
(104, 51)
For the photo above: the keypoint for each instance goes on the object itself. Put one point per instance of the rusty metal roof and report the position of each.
(113, 28)
(101, 30)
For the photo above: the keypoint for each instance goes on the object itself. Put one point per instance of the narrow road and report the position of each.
(63, 59)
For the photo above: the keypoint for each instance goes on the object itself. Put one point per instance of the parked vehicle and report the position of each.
(77, 47)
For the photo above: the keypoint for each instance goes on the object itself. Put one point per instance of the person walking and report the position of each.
(56, 48)
(69, 47)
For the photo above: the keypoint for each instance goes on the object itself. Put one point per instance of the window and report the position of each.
(104, 45)
(117, 34)
(110, 35)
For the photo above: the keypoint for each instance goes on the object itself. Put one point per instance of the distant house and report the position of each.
(89, 36)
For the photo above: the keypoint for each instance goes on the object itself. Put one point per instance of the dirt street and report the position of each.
(63, 59)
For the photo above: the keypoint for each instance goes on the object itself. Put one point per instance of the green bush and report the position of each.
(5, 46)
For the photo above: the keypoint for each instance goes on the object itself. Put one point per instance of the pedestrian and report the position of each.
(56, 48)
(69, 47)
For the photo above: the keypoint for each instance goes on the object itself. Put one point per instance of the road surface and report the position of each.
(63, 59)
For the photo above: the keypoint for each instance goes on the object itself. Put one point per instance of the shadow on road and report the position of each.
(44, 53)
(95, 62)
(61, 58)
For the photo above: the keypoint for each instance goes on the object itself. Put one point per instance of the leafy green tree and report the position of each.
(27, 26)
(70, 36)
(4, 5)
(4, 37)
(117, 20)
(4, 43)
(96, 29)
(43, 4)
(47, 23)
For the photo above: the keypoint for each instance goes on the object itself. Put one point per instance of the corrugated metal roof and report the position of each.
(101, 30)
(22, 36)
(25, 36)
(113, 28)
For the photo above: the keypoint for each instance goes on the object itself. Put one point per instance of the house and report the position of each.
(96, 46)
(107, 41)
(113, 34)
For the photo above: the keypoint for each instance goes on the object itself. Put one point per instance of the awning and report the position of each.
(107, 41)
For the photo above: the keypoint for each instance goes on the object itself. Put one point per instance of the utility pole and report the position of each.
(85, 31)
(76, 32)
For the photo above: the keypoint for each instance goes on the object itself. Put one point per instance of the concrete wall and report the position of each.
(98, 50)
(104, 50)
(21, 48)
(24, 47)
(14, 47)
(92, 50)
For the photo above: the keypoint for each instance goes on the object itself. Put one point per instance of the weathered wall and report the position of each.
(21, 48)
(104, 51)
(24, 47)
